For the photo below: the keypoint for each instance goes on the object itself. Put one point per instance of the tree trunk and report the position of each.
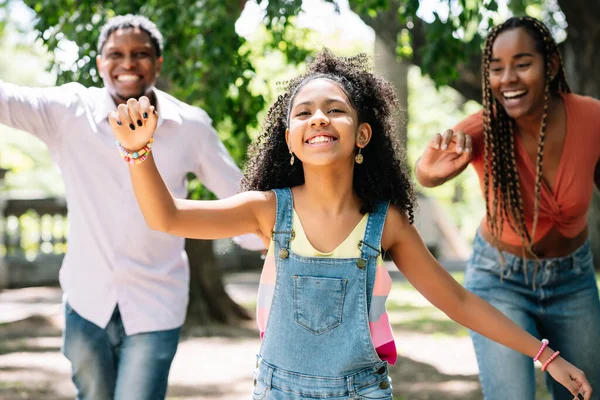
(396, 72)
(209, 302)
(582, 63)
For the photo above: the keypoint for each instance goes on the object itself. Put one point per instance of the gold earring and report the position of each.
(359, 157)
(292, 158)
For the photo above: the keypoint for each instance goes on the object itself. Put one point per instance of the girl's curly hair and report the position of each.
(384, 174)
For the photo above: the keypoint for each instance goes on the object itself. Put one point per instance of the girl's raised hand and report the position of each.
(134, 123)
(446, 155)
(570, 377)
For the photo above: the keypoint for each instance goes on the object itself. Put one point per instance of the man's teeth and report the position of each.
(320, 139)
(515, 93)
(128, 78)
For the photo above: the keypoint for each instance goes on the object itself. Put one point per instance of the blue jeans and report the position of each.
(107, 364)
(564, 307)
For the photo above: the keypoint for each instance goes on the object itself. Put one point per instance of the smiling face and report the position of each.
(323, 125)
(128, 64)
(517, 73)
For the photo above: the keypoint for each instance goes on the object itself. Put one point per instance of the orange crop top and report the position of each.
(566, 207)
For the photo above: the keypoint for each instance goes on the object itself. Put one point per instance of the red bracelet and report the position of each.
(552, 357)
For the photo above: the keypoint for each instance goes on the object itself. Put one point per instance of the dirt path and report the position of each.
(436, 358)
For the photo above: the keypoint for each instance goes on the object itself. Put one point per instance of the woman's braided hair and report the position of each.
(499, 139)
(384, 174)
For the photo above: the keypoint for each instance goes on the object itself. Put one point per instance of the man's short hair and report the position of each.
(131, 21)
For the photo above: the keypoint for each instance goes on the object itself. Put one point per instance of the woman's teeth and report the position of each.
(514, 94)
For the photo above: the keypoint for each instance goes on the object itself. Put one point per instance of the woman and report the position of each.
(535, 147)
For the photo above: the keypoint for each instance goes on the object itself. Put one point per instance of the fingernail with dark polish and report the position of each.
(139, 122)
(132, 127)
(579, 396)
(145, 115)
(119, 123)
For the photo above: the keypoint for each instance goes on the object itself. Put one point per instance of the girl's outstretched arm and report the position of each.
(422, 270)
(249, 212)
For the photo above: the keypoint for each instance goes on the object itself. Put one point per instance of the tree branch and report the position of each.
(387, 27)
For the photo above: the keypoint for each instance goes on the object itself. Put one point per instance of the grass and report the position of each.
(409, 311)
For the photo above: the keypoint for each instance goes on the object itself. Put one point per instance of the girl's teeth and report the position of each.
(320, 139)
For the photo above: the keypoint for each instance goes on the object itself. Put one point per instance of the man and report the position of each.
(125, 286)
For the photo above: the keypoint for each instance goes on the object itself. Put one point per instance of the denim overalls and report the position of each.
(317, 343)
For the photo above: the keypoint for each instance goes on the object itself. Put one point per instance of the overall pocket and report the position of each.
(318, 302)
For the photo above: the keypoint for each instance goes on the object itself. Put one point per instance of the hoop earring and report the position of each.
(359, 157)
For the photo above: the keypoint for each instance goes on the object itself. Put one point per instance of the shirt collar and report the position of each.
(167, 110)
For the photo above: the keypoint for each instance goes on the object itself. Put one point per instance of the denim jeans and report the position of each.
(107, 364)
(564, 308)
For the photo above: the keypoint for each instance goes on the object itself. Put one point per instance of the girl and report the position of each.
(535, 147)
(327, 191)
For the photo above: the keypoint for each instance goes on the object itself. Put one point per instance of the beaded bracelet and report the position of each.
(544, 345)
(552, 357)
(136, 157)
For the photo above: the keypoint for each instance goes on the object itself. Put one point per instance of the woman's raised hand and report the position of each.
(445, 156)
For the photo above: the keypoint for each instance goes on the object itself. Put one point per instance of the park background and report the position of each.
(228, 56)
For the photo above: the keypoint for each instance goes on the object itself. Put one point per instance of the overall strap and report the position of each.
(370, 246)
(282, 233)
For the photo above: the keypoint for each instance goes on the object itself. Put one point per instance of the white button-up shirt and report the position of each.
(113, 258)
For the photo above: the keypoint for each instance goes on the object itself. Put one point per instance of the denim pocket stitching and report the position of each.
(583, 262)
(338, 313)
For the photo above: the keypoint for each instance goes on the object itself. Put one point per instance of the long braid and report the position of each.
(500, 146)
(499, 143)
(487, 131)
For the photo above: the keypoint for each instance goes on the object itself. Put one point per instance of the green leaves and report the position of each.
(206, 63)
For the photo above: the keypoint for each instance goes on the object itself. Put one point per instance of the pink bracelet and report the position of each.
(544, 345)
(552, 357)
